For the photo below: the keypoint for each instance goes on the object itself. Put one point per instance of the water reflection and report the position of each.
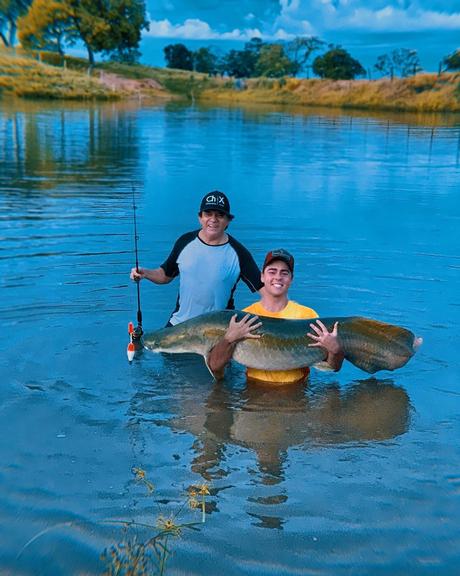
(270, 420)
(340, 115)
(66, 144)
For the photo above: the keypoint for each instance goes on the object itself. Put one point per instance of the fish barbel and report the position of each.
(368, 344)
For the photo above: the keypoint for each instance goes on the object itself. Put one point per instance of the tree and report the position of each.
(109, 26)
(46, 25)
(178, 56)
(242, 63)
(239, 63)
(385, 65)
(337, 64)
(112, 27)
(273, 62)
(10, 11)
(300, 50)
(204, 60)
(127, 19)
(254, 46)
(402, 61)
(452, 62)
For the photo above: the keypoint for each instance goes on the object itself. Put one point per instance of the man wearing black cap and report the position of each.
(209, 263)
(277, 275)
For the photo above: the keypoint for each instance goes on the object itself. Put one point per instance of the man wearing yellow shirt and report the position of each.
(277, 275)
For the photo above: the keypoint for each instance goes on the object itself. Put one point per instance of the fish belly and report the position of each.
(276, 355)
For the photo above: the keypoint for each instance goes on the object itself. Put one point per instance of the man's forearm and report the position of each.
(335, 360)
(220, 356)
(222, 352)
(156, 275)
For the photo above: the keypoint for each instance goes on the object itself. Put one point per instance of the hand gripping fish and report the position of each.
(368, 344)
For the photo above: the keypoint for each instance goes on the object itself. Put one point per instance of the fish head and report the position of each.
(176, 340)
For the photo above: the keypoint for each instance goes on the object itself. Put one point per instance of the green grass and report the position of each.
(180, 82)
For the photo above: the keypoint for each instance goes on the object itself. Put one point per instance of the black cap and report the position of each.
(279, 254)
(216, 200)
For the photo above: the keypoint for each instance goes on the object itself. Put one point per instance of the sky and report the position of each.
(369, 27)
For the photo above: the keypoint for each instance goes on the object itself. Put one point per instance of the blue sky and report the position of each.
(365, 28)
(284, 19)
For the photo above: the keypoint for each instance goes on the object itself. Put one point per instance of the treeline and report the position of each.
(275, 60)
(110, 27)
(113, 28)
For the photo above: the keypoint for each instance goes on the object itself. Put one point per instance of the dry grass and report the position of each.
(28, 78)
(422, 93)
(24, 76)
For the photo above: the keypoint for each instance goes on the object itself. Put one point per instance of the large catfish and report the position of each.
(368, 344)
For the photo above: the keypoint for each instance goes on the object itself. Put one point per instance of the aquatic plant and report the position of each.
(132, 557)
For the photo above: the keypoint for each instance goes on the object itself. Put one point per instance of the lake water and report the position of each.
(343, 475)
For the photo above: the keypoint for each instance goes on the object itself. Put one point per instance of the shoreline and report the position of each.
(428, 93)
(22, 75)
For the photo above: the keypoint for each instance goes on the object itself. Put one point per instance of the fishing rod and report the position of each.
(135, 334)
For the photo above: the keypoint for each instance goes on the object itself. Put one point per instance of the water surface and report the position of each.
(344, 475)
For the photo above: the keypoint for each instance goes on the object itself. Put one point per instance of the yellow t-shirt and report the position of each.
(292, 311)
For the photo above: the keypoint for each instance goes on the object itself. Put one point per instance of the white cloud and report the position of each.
(315, 17)
(191, 28)
(397, 20)
(289, 7)
(195, 29)
(281, 34)
(319, 16)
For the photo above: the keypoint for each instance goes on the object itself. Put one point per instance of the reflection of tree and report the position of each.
(41, 149)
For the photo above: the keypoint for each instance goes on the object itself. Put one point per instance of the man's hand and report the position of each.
(155, 275)
(221, 354)
(322, 337)
(328, 340)
(137, 274)
(237, 331)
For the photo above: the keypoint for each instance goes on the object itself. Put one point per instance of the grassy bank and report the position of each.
(48, 75)
(421, 93)
(181, 83)
(28, 78)
(52, 77)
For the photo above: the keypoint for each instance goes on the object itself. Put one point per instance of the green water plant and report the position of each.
(134, 557)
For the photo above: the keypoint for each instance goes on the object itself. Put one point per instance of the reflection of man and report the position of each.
(270, 420)
(277, 275)
(209, 263)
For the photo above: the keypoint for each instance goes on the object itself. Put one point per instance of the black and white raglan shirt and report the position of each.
(208, 274)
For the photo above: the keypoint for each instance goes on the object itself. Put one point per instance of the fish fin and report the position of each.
(417, 343)
(323, 366)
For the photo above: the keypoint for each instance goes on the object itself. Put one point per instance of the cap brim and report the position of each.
(288, 264)
(213, 209)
